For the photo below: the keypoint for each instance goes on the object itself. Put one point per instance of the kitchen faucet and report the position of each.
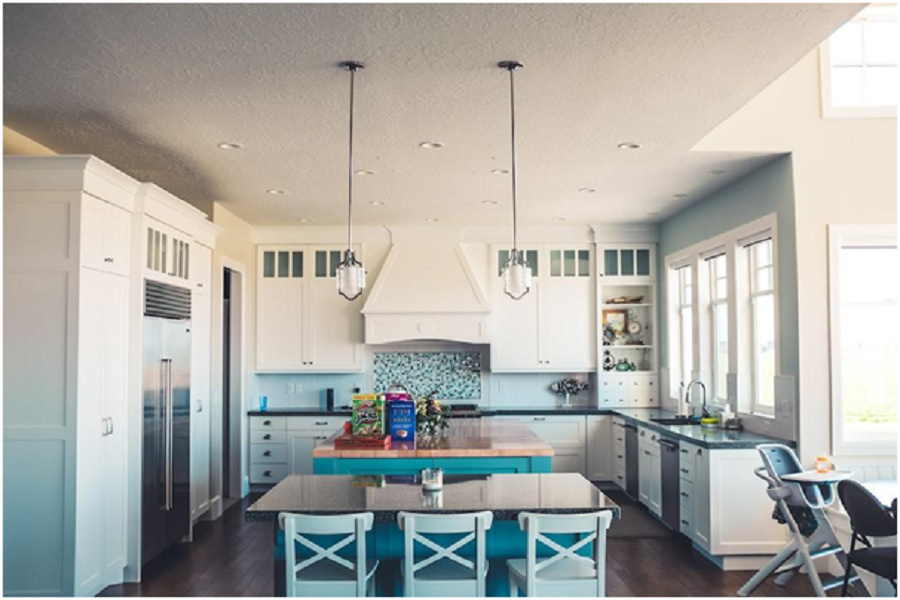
(687, 396)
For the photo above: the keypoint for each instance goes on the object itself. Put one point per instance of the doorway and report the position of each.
(232, 384)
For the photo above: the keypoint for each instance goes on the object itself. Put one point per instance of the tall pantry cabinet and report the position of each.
(67, 244)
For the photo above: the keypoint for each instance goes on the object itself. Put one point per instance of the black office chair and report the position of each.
(868, 518)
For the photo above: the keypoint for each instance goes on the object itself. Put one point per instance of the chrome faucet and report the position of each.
(687, 396)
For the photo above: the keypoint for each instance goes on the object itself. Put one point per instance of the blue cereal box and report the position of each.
(402, 420)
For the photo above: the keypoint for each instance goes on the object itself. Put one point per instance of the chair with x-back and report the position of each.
(444, 571)
(325, 572)
(568, 572)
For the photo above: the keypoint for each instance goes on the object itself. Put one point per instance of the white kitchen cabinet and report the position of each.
(552, 328)
(600, 448)
(724, 505)
(201, 269)
(567, 435)
(302, 322)
(167, 253)
(201, 347)
(106, 237)
(66, 331)
(627, 262)
(649, 471)
(282, 446)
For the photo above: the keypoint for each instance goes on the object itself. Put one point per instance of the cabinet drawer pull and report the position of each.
(685, 471)
(618, 439)
(267, 473)
(199, 285)
(683, 451)
(647, 452)
(540, 418)
(267, 422)
(685, 495)
(683, 522)
(267, 453)
(321, 437)
(619, 456)
(699, 452)
(268, 436)
(321, 422)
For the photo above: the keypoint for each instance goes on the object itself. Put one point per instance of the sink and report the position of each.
(675, 421)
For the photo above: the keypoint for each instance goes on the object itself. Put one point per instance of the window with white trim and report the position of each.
(864, 294)
(762, 325)
(682, 340)
(718, 314)
(858, 65)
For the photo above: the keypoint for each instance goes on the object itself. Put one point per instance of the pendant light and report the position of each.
(350, 274)
(516, 271)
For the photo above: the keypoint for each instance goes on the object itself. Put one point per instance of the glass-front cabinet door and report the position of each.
(636, 261)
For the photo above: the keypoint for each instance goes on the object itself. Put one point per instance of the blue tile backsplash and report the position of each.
(453, 375)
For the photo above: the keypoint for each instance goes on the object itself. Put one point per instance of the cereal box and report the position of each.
(402, 420)
(368, 415)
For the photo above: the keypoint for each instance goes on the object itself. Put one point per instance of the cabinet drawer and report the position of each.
(559, 432)
(267, 473)
(329, 424)
(686, 472)
(685, 456)
(685, 525)
(268, 423)
(619, 479)
(619, 459)
(268, 453)
(265, 436)
(686, 491)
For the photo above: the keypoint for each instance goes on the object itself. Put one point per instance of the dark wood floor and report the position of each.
(231, 557)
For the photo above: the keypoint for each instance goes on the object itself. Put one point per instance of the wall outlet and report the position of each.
(501, 387)
(289, 388)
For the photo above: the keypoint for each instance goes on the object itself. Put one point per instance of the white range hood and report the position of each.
(426, 291)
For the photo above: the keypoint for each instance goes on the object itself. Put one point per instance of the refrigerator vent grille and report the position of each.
(167, 301)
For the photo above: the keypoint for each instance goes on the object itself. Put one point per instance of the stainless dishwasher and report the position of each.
(671, 502)
(632, 479)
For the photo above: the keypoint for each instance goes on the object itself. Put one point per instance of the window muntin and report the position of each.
(859, 67)
(762, 327)
(718, 295)
(683, 346)
(864, 359)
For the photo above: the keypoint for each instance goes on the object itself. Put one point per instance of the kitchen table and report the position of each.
(506, 495)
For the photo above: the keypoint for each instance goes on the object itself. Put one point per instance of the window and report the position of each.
(864, 291)
(762, 325)
(718, 305)
(682, 340)
(859, 66)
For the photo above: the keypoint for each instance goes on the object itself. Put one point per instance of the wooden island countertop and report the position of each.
(464, 438)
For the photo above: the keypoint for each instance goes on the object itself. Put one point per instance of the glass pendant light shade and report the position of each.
(350, 277)
(516, 275)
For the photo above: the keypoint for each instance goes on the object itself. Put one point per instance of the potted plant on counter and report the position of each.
(567, 387)
(431, 418)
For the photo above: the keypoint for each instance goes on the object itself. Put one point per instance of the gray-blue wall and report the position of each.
(769, 189)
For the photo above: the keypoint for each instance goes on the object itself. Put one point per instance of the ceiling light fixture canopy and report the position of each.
(516, 272)
(350, 275)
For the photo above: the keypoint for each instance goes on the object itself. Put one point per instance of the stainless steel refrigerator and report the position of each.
(166, 509)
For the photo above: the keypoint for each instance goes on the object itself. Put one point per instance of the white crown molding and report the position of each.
(605, 233)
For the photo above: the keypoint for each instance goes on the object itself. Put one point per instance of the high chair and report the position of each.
(790, 486)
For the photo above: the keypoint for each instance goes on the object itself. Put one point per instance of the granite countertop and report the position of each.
(385, 496)
(706, 438)
(471, 438)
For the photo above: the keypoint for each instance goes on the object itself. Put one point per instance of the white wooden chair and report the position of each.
(445, 572)
(325, 573)
(567, 573)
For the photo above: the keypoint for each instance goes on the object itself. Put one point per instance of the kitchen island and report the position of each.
(506, 496)
(467, 447)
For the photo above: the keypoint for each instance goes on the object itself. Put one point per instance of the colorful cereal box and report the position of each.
(368, 415)
(402, 420)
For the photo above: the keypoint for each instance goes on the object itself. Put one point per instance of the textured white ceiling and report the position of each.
(153, 89)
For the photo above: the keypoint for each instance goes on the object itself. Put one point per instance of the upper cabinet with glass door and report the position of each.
(167, 253)
(627, 261)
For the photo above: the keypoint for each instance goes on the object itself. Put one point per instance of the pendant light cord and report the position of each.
(513, 172)
(352, 70)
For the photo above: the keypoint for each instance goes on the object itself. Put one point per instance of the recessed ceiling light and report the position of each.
(500, 171)
(377, 203)
(364, 172)
(679, 196)
(275, 192)
(431, 145)
(587, 190)
(432, 220)
(559, 219)
(306, 220)
(490, 202)
(230, 146)
(629, 146)
(717, 172)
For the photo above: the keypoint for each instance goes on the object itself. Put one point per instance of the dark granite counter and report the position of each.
(694, 434)
(504, 495)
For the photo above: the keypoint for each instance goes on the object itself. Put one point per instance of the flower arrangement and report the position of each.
(431, 416)
(567, 387)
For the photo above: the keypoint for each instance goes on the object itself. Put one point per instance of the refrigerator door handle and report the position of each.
(167, 394)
